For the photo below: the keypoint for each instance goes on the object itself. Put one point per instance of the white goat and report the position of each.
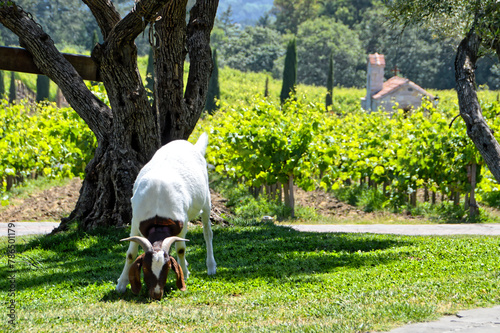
(170, 190)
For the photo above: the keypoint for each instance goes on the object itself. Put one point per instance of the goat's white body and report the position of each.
(174, 185)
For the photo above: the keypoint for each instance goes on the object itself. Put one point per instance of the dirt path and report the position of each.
(487, 229)
(490, 229)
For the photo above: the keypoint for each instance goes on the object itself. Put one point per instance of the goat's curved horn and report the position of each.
(142, 241)
(167, 242)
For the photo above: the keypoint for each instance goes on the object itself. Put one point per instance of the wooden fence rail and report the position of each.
(19, 60)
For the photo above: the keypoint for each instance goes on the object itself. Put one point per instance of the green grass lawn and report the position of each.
(270, 278)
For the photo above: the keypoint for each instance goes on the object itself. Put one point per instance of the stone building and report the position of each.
(385, 95)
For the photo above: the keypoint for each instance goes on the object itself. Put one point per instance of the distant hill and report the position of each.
(245, 12)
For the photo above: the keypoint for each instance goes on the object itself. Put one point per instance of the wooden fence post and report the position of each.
(413, 199)
(292, 199)
(473, 207)
(10, 182)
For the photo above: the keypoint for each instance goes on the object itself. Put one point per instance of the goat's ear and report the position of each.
(181, 285)
(134, 275)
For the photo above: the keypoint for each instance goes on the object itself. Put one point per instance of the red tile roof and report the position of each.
(396, 82)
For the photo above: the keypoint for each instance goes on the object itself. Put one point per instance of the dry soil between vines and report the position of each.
(58, 202)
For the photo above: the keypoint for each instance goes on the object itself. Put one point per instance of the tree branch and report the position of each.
(470, 109)
(127, 30)
(53, 64)
(200, 55)
(105, 14)
(179, 111)
(170, 54)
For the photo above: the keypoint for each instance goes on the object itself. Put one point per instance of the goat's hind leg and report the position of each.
(123, 280)
(208, 235)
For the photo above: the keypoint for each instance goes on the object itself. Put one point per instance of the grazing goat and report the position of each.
(170, 190)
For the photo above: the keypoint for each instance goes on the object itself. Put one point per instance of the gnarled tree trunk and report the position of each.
(130, 130)
(470, 109)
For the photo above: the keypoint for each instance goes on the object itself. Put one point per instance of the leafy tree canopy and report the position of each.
(423, 50)
(451, 17)
(316, 39)
(451, 20)
(69, 23)
(255, 49)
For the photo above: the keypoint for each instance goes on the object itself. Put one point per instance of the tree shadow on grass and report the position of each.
(276, 252)
(73, 257)
(78, 259)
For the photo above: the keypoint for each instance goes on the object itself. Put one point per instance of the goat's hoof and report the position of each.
(211, 266)
(121, 288)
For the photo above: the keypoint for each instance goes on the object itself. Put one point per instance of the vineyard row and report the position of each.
(263, 143)
(42, 140)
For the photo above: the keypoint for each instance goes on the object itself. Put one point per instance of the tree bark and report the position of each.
(130, 132)
(470, 109)
(181, 110)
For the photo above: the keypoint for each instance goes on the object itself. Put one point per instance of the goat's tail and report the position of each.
(202, 143)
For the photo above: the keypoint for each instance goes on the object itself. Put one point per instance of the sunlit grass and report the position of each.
(270, 278)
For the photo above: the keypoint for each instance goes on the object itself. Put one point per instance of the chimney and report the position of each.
(376, 64)
(375, 77)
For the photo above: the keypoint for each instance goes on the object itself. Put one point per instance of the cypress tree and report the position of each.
(213, 92)
(95, 40)
(42, 88)
(266, 90)
(12, 90)
(93, 43)
(150, 76)
(290, 71)
(2, 85)
(329, 84)
(288, 91)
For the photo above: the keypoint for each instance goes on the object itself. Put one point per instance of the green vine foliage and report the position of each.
(260, 143)
(43, 141)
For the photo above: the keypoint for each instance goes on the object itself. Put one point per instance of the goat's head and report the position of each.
(155, 263)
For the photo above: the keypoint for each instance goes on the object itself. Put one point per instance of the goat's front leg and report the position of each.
(180, 248)
(208, 235)
(123, 281)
